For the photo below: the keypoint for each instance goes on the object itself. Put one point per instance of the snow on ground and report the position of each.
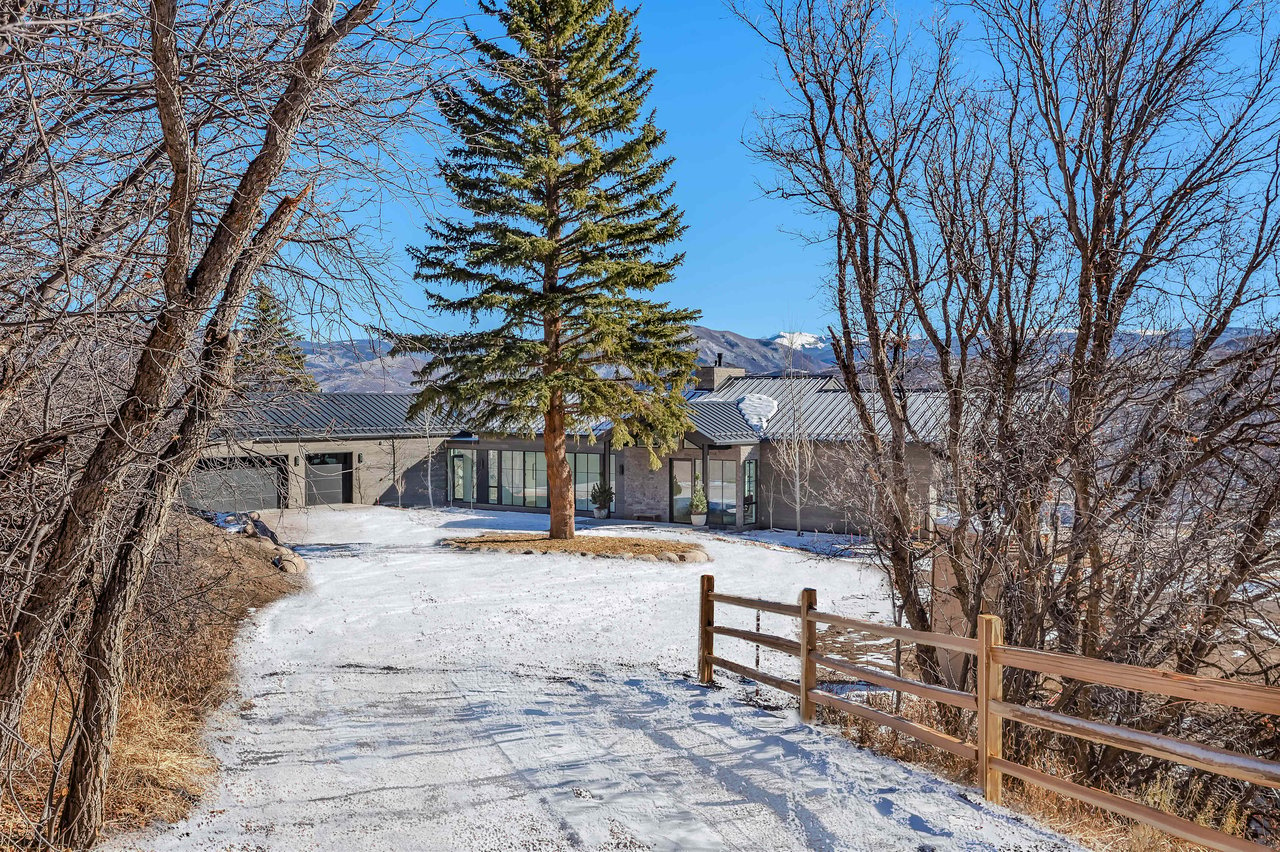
(417, 698)
(824, 544)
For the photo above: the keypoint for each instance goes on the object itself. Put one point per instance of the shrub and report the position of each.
(601, 495)
(698, 502)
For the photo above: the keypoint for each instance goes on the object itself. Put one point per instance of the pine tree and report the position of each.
(270, 359)
(564, 225)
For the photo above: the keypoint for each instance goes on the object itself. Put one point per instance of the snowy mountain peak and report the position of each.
(800, 340)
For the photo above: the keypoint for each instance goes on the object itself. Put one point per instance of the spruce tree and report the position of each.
(270, 358)
(565, 226)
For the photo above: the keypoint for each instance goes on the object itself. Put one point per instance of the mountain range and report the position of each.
(365, 366)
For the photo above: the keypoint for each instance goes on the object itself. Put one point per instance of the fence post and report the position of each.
(706, 620)
(990, 688)
(808, 645)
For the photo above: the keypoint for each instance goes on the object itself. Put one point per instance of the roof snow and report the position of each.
(756, 409)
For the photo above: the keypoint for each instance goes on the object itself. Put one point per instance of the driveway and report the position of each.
(415, 698)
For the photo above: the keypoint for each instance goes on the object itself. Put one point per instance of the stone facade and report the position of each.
(645, 493)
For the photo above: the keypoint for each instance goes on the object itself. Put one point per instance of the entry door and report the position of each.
(681, 490)
(328, 478)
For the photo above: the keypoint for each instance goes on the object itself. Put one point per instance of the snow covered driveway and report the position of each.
(422, 699)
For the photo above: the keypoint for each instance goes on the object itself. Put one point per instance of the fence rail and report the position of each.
(992, 711)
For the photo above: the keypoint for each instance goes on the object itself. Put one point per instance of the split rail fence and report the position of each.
(990, 708)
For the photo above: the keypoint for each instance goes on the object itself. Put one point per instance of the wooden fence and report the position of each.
(990, 708)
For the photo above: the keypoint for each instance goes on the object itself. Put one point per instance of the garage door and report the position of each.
(241, 484)
(328, 479)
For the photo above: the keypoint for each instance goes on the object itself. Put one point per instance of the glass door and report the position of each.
(464, 475)
(722, 492)
(681, 490)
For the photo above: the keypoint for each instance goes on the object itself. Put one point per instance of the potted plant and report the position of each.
(601, 497)
(698, 505)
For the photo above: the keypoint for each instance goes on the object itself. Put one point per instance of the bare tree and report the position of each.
(792, 451)
(164, 159)
(847, 143)
(1074, 240)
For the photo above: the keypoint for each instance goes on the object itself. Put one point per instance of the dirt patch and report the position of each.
(606, 546)
(205, 582)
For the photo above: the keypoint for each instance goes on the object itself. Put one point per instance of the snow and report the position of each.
(800, 340)
(756, 409)
(417, 698)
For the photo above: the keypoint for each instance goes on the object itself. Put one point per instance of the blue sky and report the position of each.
(744, 268)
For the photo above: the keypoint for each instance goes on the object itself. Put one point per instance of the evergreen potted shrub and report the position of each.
(601, 497)
(698, 505)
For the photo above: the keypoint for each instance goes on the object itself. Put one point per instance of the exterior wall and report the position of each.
(415, 472)
(834, 495)
(642, 492)
(402, 472)
(395, 471)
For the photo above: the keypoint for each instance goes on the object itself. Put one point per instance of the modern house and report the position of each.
(760, 445)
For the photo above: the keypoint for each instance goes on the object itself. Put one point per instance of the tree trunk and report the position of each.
(99, 707)
(99, 715)
(559, 477)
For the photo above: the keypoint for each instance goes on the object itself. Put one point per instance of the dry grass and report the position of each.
(593, 545)
(178, 668)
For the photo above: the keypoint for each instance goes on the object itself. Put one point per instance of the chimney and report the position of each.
(713, 377)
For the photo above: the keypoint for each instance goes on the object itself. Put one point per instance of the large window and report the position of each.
(462, 476)
(749, 491)
(522, 479)
(586, 473)
(519, 478)
(722, 492)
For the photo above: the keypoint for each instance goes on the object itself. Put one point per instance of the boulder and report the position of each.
(290, 562)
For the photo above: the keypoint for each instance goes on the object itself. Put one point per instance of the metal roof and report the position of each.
(333, 416)
(819, 408)
(721, 421)
(816, 407)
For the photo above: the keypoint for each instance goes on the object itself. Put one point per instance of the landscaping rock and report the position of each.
(517, 546)
(290, 562)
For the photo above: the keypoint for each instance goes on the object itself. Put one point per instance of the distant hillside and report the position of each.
(360, 366)
(364, 366)
(767, 355)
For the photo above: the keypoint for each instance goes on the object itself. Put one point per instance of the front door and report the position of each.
(681, 490)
